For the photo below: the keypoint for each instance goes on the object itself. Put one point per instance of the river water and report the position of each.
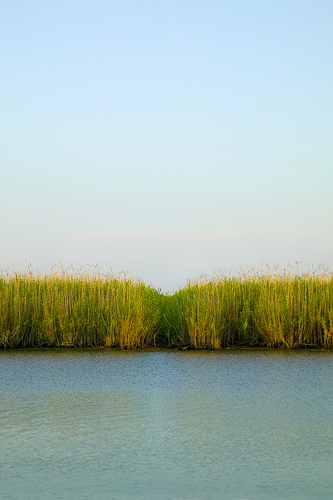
(101, 424)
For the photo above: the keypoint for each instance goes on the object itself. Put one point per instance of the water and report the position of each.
(102, 424)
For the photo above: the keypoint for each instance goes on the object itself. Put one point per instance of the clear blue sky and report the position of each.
(166, 138)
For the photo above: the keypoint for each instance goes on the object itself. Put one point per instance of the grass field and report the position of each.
(75, 308)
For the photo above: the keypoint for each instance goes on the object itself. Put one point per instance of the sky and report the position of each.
(167, 139)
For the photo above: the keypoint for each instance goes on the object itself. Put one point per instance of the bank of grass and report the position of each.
(267, 309)
(77, 309)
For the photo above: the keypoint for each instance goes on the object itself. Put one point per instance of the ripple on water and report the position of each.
(107, 424)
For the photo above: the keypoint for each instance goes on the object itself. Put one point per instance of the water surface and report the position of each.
(103, 424)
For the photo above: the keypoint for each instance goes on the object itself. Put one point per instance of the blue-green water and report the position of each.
(102, 424)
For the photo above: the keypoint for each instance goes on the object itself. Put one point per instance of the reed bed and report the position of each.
(77, 309)
(265, 308)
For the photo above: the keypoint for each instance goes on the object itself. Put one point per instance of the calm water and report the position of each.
(99, 424)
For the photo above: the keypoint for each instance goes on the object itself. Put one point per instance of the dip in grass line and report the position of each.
(80, 309)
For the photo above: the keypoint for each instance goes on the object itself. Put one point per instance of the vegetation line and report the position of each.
(264, 308)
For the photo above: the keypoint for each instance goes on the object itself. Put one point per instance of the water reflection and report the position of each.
(105, 424)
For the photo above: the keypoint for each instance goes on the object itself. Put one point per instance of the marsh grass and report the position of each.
(264, 308)
(77, 309)
(74, 308)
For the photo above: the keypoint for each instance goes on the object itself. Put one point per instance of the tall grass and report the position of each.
(256, 309)
(266, 308)
(77, 309)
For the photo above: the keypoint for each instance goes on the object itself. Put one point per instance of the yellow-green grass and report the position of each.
(77, 309)
(257, 309)
(91, 309)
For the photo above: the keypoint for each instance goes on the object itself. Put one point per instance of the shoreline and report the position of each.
(251, 311)
(69, 349)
